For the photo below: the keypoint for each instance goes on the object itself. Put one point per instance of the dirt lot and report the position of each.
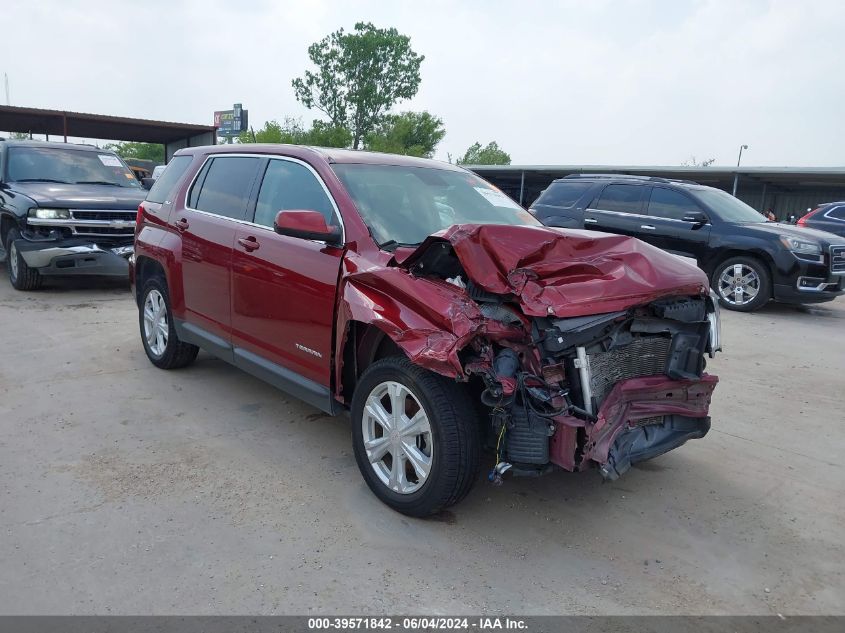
(127, 489)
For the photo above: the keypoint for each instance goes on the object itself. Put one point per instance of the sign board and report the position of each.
(231, 122)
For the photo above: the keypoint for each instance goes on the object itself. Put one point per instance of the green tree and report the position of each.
(489, 155)
(410, 133)
(19, 136)
(324, 134)
(359, 76)
(292, 131)
(145, 151)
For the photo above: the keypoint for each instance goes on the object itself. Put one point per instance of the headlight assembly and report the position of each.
(49, 214)
(802, 247)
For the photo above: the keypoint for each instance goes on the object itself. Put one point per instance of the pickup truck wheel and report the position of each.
(742, 284)
(415, 436)
(21, 276)
(158, 334)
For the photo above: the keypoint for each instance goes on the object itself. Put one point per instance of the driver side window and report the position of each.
(290, 186)
(665, 203)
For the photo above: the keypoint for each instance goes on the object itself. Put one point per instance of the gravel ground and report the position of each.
(125, 489)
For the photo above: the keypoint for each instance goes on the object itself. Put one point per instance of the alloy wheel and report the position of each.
(13, 260)
(155, 322)
(397, 437)
(739, 284)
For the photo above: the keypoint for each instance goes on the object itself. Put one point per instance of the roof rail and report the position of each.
(620, 176)
(630, 177)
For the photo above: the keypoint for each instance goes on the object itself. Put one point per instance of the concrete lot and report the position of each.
(127, 489)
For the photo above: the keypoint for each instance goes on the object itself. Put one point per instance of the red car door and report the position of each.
(207, 225)
(284, 288)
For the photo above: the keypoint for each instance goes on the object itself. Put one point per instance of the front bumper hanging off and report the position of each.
(75, 257)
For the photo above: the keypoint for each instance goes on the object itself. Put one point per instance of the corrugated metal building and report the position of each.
(784, 189)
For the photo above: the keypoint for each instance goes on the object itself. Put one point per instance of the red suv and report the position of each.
(429, 305)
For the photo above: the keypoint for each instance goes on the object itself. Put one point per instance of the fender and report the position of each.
(428, 319)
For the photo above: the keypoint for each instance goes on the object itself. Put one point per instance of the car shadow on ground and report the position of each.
(831, 309)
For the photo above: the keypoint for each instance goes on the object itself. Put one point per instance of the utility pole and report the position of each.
(736, 173)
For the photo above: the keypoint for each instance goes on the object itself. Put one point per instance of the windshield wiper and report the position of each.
(61, 182)
(392, 245)
(97, 182)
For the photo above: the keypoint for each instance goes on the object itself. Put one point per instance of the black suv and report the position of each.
(828, 217)
(65, 209)
(748, 259)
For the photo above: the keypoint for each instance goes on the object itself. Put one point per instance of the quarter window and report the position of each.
(622, 198)
(837, 213)
(289, 186)
(223, 186)
(665, 203)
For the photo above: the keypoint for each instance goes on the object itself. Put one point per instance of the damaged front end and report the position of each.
(588, 350)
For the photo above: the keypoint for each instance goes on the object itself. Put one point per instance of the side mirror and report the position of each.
(147, 183)
(697, 217)
(307, 225)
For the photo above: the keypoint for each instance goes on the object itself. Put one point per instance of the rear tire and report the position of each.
(158, 332)
(444, 446)
(21, 276)
(749, 275)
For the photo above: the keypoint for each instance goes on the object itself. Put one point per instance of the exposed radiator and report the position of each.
(645, 356)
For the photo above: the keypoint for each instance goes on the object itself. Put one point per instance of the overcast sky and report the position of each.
(585, 82)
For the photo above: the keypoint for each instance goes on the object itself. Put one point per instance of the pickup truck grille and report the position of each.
(80, 214)
(837, 260)
(93, 222)
(645, 356)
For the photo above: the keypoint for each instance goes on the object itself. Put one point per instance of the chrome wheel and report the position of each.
(739, 284)
(13, 260)
(397, 437)
(155, 322)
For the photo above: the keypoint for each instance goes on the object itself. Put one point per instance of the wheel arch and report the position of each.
(728, 253)
(147, 268)
(363, 345)
(7, 222)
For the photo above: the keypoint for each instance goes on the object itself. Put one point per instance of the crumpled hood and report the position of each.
(565, 272)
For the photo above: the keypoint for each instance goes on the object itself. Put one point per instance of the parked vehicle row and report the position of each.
(747, 259)
(414, 295)
(429, 305)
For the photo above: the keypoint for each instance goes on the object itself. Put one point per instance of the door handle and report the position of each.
(647, 227)
(182, 224)
(249, 243)
(590, 221)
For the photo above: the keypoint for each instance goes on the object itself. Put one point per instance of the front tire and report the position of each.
(158, 332)
(21, 276)
(415, 436)
(742, 284)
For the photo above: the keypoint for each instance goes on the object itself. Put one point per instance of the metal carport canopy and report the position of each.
(101, 126)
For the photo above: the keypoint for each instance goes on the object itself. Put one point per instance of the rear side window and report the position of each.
(223, 186)
(623, 198)
(165, 183)
(564, 194)
(290, 186)
(837, 213)
(666, 203)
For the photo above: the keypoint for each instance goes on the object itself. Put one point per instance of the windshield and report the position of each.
(404, 205)
(68, 166)
(726, 207)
